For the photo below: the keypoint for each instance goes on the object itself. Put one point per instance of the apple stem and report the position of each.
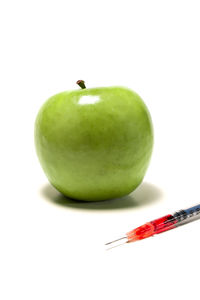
(81, 83)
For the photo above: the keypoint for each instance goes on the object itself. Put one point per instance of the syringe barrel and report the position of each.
(187, 215)
(164, 223)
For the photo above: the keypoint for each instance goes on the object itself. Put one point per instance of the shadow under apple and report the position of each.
(145, 194)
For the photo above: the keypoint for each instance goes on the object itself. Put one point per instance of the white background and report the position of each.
(54, 249)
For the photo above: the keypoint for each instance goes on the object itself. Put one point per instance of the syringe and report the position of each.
(160, 225)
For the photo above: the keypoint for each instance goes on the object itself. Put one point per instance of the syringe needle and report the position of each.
(122, 238)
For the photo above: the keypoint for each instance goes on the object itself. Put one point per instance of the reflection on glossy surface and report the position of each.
(89, 99)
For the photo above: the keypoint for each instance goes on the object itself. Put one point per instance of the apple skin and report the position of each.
(94, 144)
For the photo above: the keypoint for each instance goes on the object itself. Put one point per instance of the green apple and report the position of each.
(94, 144)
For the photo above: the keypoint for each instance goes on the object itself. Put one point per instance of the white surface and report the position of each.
(55, 251)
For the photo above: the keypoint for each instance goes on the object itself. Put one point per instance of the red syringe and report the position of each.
(160, 225)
